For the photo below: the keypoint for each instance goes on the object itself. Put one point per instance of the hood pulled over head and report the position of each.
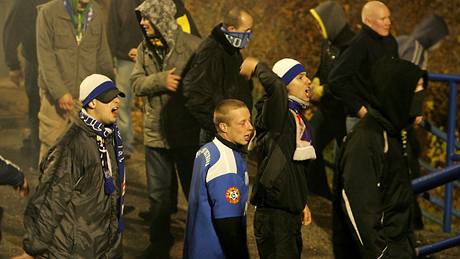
(161, 14)
(395, 81)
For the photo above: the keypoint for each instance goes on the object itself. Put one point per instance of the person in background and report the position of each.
(349, 79)
(71, 45)
(216, 220)
(20, 30)
(124, 36)
(427, 36)
(328, 121)
(170, 133)
(214, 71)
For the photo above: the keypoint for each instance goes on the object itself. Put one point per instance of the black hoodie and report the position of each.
(374, 181)
(215, 75)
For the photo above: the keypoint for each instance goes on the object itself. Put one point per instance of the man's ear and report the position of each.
(223, 127)
(92, 104)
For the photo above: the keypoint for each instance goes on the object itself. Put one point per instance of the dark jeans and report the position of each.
(325, 127)
(160, 167)
(278, 233)
(183, 158)
(32, 91)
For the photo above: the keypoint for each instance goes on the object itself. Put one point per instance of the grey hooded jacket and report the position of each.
(149, 77)
(431, 30)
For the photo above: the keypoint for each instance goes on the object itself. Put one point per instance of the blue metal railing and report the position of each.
(452, 81)
(449, 174)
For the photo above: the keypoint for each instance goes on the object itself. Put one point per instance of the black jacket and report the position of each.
(280, 182)
(349, 80)
(330, 52)
(337, 36)
(10, 174)
(214, 76)
(374, 179)
(69, 215)
(123, 31)
(20, 29)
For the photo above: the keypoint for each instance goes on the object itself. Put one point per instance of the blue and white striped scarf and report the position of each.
(109, 186)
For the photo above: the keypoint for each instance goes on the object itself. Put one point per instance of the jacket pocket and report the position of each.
(64, 40)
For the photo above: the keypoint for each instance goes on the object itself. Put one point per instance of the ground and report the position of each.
(13, 129)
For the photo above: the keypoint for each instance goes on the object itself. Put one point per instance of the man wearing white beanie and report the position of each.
(77, 209)
(283, 145)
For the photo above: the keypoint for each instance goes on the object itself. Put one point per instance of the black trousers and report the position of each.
(32, 91)
(278, 233)
(184, 159)
(325, 127)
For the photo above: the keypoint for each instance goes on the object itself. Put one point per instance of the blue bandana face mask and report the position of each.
(237, 39)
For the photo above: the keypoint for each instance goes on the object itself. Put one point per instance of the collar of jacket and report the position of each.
(75, 118)
(236, 147)
(219, 36)
(366, 29)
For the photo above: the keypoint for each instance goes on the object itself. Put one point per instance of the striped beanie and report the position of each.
(288, 69)
(98, 87)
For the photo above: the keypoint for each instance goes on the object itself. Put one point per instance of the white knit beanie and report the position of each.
(288, 69)
(99, 87)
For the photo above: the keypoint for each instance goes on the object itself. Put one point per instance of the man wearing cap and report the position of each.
(77, 209)
(71, 45)
(284, 149)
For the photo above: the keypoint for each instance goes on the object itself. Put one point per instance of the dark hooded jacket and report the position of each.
(349, 80)
(69, 215)
(373, 185)
(10, 174)
(214, 76)
(123, 31)
(431, 30)
(184, 19)
(337, 36)
(280, 182)
(167, 124)
(20, 29)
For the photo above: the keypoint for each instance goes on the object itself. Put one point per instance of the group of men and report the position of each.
(197, 120)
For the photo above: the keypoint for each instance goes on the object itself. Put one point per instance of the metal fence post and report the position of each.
(450, 152)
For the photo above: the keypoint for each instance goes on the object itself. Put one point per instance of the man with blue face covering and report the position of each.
(214, 71)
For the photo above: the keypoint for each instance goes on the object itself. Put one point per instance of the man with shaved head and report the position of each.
(349, 80)
(214, 70)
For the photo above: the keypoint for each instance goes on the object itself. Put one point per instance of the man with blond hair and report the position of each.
(349, 80)
(216, 221)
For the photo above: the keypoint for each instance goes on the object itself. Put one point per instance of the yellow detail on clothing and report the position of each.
(157, 42)
(320, 22)
(184, 23)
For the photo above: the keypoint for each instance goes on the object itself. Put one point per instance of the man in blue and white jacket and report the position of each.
(216, 221)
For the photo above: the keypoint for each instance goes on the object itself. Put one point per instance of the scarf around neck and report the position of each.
(80, 19)
(103, 133)
(304, 150)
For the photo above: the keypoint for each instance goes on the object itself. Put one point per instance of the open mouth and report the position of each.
(247, 137)
(115, 110)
